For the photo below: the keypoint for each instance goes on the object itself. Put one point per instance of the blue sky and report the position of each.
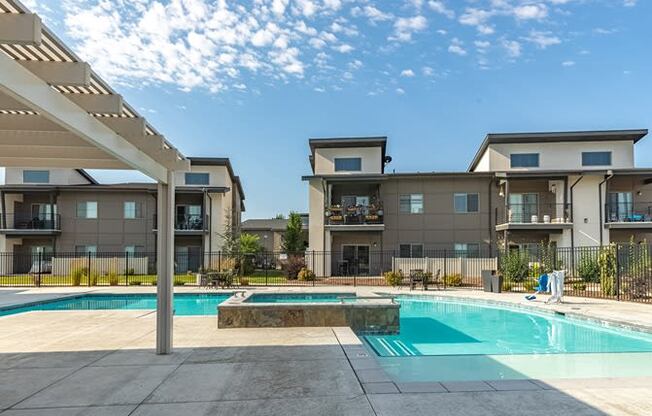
(253, 80)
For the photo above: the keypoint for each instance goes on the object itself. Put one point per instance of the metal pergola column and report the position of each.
(165, 265)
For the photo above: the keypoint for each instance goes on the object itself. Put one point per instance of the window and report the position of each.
(36, 176)
(348, 164)
(465, 203)
(596, 158)
(87, 209)
(467, 250)
(131, 210)
(411, 250)
(133, 250)
(411, 204)
(524, 160)
(194, 178)
(86, 249)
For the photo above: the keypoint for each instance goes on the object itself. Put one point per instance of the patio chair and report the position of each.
(416, 276)
(436, 281)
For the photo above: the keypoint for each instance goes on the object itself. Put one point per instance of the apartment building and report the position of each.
(567, 188)
(270, 231)
(68, 211)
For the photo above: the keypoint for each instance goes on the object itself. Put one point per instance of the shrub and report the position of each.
(113, 278)
(607, 264)
(247, 265)
(244, 281)
(507, 285)
(131, 271)
(135, 283)
(394, 278)
(153, 282)
(77, 274)
(179, 282)
(514, 266)
(579, 286)
(305, 274)
(95, 276)
(453, 280)
(589, 269)
(529, 285)
(293, 266)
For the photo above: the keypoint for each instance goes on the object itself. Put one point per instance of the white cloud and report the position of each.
(344, 48)
(333, 4)
(407, 73)
(482, 44)
(512, 47)
(456, 47)
(400, 91)
(372, 13)
(404, 27)
(440, 7)
(475, 17)
(427, 71)
(629, 3)
(531, 11)
(568, 63)
(542, 39)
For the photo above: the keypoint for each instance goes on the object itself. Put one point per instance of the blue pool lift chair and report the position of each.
(543, 287)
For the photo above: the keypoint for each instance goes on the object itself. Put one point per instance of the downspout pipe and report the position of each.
(572, 214)
(610, 175)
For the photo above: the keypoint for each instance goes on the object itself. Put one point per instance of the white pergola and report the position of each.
(56, 112)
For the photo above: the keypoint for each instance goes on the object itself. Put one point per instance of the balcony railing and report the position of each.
(26, 221)
(191, 222)
(354, 215)
(629, 212)
(536, 213)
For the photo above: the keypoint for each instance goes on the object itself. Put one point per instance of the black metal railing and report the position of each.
(190, 222)
(618, 271)
(628, 212)
(354, 215)
(27, 221)
(535, 213)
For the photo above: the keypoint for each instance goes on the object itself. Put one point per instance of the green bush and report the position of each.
(153, 282)
(135, 283)
(95, 276)
(579, 286)
(514, 266)
(589, 269)
(305, 274)
(77, 274)
(507, 285)
(607, 264)
(394, 278)
(530, 284)
(113, 278)
(293, 266)
(453, 280)
(179, 282)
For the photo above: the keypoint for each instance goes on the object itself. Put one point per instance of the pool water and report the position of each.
(437, 327)
(184, 304)
(298, 297)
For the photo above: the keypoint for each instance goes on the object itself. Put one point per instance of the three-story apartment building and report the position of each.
(570, 189)
(67, 211)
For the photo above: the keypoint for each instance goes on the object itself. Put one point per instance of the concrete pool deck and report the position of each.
(102, 363)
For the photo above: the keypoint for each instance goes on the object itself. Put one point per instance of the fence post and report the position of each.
(40, 267)
(126, 268)
(617, 271)
(445, 268)
(219, 261)
(265, 266)
(313, 266)
(88, 274)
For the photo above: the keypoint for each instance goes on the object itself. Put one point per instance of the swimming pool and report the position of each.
(186, 304)
(299, 297)
(455, 340)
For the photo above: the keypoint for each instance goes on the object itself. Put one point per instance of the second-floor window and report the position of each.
(133, 250)
(195, 178)
(87, 209)
(411, 204)
(467, 250)
(132, 210)
(524, 160)
(465, 203)
(348, 164)
(36, 176)
(596, 158)
(411, 250)
(86, 249)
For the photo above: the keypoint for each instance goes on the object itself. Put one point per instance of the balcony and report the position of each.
(358, 217)
(535, 216)
(628, 215)
(24, 224)
(189, 224)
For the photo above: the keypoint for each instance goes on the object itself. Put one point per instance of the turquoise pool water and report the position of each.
(298, 297)
(432, 327)
(184, 304)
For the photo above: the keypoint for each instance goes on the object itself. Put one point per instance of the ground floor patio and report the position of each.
(104, 363)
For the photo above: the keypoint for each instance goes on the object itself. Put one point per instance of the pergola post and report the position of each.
(165, 265)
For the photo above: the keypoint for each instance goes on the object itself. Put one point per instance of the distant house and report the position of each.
(271, 231)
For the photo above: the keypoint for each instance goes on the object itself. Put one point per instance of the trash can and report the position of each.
(486, 279)
(496, 283)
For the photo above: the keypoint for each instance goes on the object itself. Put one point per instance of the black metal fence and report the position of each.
(617, 271)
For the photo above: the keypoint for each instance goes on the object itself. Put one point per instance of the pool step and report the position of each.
(386, 347)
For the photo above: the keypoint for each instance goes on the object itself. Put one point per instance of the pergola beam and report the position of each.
(24, 86)
(98, 103)
(22, 29)
(125, 126)
(71, 163)
(40, 138)
(80, 152)
(28, 122)
(60, 73)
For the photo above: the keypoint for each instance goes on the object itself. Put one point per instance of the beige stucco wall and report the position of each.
(371, 159)
(586, 211)
(316, 213)
(58, 176)
(557, 156)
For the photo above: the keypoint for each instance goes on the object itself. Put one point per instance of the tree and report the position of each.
(230, 235)
(249, 244)
(279, 217)
(292, 241)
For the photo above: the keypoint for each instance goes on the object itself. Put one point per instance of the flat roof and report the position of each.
(344, 142)
(557, 137)
(219, 161)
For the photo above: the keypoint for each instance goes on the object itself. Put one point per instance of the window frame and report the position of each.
(92, 247)
(137, 211)
(347, 159)
(37, 171)
(197, 174)
(466, 250)
(466, 196)
(85, 216)
(597, 152)
(410, 197)
(524, 165)
(411, 249)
